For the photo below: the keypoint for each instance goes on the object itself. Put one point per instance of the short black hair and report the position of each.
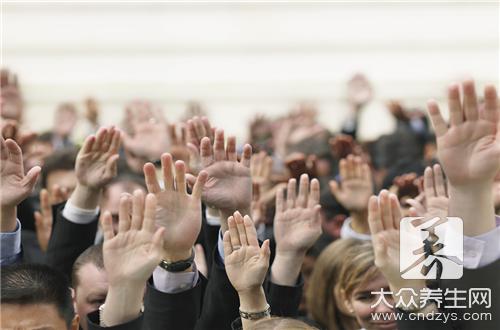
(63, 159)
(25, 284)
(92, 255)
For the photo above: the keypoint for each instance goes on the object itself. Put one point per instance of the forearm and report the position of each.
(360, 221)
(8, 221)
(474, 205)
(123, 304)
(286, 268)
(85, 197)
(252, 302)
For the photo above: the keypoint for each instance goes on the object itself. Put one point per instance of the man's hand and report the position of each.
(16, 186)
(130, 256)
(246, 263)
(261, 166)
(44, 218)
(95, 166)
(436, 200)
(469, 151)
(297, 226)
(229, 185)
(356, 184)
(177, 211)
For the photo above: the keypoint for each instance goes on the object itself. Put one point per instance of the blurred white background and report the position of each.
(242, 58)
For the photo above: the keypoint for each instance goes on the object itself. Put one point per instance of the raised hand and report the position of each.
(229, 185)
(178, 136)
(297, 226)
(11, 102)
(16, 186)
(197, 129)
(246, 263)
(469, 151)
(44, 218)
(261, 166)
(356, 184)
(96, 162)
(384, 216)
(435, 202)
(130, 256)
(177, 211)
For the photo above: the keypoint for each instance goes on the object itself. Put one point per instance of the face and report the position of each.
(111, 198)
(33, 316)
(361, 300)
(91, 291)
(63, 178)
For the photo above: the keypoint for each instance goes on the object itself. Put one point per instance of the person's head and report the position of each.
(65, 119)
(35, 297)
(59, 168)
(123, 183)
(89, 281)
(339, 293)
(280, 323)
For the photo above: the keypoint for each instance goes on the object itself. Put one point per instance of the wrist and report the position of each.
(252, 300)
(123, 303)
(8, 216)
(85, 197)
(174, 256)
(286, 267)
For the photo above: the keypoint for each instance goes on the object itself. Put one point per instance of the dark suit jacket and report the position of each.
(68, 241)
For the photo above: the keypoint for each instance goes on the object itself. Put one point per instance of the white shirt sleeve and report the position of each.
(347, 232)
(169, 282)
(78, 215)
(482, 250)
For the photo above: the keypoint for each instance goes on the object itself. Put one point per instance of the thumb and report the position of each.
(38, 219)
(31, 177)
(265, 252)
(334, 188)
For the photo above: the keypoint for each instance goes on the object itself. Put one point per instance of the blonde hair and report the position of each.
(341, 268)
(280, 323)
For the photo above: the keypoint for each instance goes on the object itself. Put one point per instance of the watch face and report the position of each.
(176, 266)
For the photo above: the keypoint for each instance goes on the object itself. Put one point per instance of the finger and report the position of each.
(107, 226)
(199, 184)
(124, 213)
(200, 129)
(429, 184)
(317, 216)
(439, 181)
(395, 210)
(334, 188)
(470, 100)
(149, 213)
(491, 110)
(206, 152)
(251, 233)
(231, 149)
(4, 154)
(180, 176)
(166, 167)
(303, 191)
(150, 177)
(31, 177)
(246, 155)
(290, 194)
(374, 220)
(228, 248)
(240, 225)
(137, 210)
(192, 133)
(280, 200)
(14, 151)
(88, 144)
(107, 139)
(350, 167)
(385, 209)
(191, 180)
(101, 135)
(358, 167)
(219, 151)
(366, 172)
(233, 231)
(116, 142)
(208, 130)
(38, 220)
(265, 252)
(343, 169)
(454, 105)
(45, 206)
(416, 206)
(314, 194)
(112, 165)
(437, 120)
(172, 133)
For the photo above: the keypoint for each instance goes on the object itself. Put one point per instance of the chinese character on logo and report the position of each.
(431, 249)
(480, 297)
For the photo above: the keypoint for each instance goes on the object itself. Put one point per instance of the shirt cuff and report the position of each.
(169, 282)
(78, 215)
(10, 245)
(482, 250)
(211, 220)
(347, 232)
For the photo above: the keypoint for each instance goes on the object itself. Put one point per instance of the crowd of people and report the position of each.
(151, 224)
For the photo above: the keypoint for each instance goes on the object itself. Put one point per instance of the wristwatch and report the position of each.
(256, 315)
(178, 266)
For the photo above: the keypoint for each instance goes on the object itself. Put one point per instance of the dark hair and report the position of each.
(25, 284)
(63, 159)
(92, 255)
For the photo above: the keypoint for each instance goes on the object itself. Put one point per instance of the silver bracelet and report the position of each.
(256, 315)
